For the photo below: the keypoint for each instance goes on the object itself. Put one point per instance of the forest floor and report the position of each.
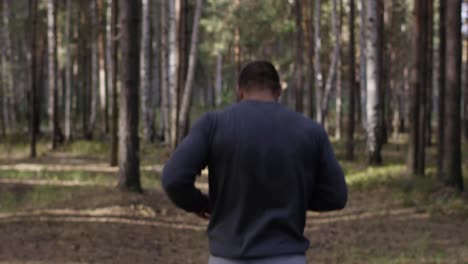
(63, 208)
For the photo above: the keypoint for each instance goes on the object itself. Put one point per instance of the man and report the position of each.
(267, 166)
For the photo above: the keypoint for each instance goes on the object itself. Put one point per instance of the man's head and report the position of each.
(259, 80)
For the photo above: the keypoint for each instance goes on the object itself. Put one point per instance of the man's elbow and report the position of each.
(341, 200)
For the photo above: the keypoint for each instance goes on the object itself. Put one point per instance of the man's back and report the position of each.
(267, 166)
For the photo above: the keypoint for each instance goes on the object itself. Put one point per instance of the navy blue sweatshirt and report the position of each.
(267, 166)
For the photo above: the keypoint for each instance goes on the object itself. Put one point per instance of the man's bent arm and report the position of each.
(329, 191)
(187, 161)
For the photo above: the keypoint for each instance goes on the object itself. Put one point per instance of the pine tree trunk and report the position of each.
(94, 70)
(466, 93)
(68, 72)
(33, 109)
(351, 85)
(441, 91)
(309, 95)
(52, 70)
(362, 65)
(219, 80)
(331, 77)
(156, 67)
(173, 72)
(145, 73)
(103, 80)
(299, 50)
(129, 162)
(429, 69)
(165, 102)
(416, 160)
(317, 65)
(339, 83)
(373, 81)
(7, 70)
(189, 80)
(451, 164)
(113, 70)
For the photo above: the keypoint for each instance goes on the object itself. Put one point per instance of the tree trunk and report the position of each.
(129, 162)
(362, 65)
(146, 91)
(441, 91)
(7, 70)
(113, 70)
(156, 67)
(165, 102)
(173, 71)
(33, 109)
(339, 83)
(299, 49)
(429, 69)
(373, 81)
(94, 70)
(187, 92)
(451, 164)
(68, 72)
(309, 95)
(351, 85)
(466, 93)
(317, 66)
(103, 80)
(331, 77)
(52, 70)
(416, 160)
(219, 80)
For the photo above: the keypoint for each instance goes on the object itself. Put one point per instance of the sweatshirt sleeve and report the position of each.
(329, 191)
(187, 161)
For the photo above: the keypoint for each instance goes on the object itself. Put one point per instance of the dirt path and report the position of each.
(108, 227)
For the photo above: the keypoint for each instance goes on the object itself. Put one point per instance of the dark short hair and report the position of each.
(259, 75)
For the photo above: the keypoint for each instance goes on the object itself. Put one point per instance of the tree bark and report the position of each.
(95, 69)
(309, 93)
(362, 65)
(429, 69)
(339, 83)
(165, 102)
(7, 72)
(187, 92)
(147, 108)
(156, 66)
(351, 85)
(129, 162)
(416, 160)
(113, 70)
(33, 109)
(103, 80)
(451, 164)
(331, 77)
(466, 94)
(173, 72)
(299, 49)
(68, 72)
(373, 81)
(52, 70)
(441, 91)
(219, 80)
(317, 65)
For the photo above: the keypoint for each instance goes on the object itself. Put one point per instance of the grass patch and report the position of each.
(19, 198)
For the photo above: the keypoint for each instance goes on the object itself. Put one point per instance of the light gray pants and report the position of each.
(289, 259)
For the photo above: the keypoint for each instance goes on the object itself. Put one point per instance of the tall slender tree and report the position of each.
(373, 81)
(113, 70)
(33, 109)
(129, 161)
(147, 108)
(351, 85)
(339, 82)
(441, 90)
(94, 70)
(362, 64)
(52, 70)
(317, 62)
(68, 71)
(165, 102)
(451, 161)
(189, 80)
(299, 56)
(173, 71)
